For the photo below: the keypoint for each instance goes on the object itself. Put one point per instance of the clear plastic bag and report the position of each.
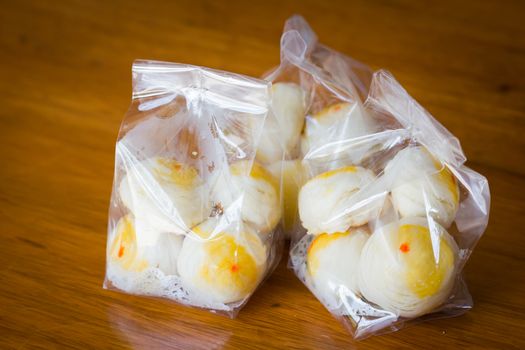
(193, 215)
(387, 212)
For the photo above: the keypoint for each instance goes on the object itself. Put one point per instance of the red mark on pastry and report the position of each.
(235, 268)
(121, 251)
(404, 248)
(336, 108)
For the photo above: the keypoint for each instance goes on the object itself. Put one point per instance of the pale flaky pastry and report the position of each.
(283, 125)
(127, 253)
(335, 126)
(332, 262)
(423, 186)
(407, 268)
(164, 196)
(222, 266)
(327, 203)
(250, 188)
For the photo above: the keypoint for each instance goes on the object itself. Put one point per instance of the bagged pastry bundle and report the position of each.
(194, 213)
(383, 213)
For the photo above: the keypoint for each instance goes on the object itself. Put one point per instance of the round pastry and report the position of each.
(407, 269)
(332, 261)
(164, 196)
(251, 188)
(123, 250)
(222, 267)
(131, 256)
(283, 126)
(422, 186)
(293, 177)
(327, 202)
(338, 122)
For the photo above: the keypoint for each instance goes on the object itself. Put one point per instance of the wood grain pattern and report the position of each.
(65, 85)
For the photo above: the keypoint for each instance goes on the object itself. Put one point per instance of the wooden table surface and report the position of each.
(65, 85)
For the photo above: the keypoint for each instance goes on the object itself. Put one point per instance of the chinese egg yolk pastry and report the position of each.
(254, 188)
(164, 196)
(282, 129)
(131, 256)
(326, 204)
(332, 261)
(423, 185)
(293, 177)
(407, 269)
(338, 122)
(222, 267)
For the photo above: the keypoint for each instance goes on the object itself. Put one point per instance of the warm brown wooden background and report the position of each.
(65, 85)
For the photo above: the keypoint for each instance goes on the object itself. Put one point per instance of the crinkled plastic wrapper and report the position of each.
(194, 216)
(386, 213)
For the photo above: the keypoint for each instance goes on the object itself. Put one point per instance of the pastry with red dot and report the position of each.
(126, 253)
(222, 265)
(408, 267)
